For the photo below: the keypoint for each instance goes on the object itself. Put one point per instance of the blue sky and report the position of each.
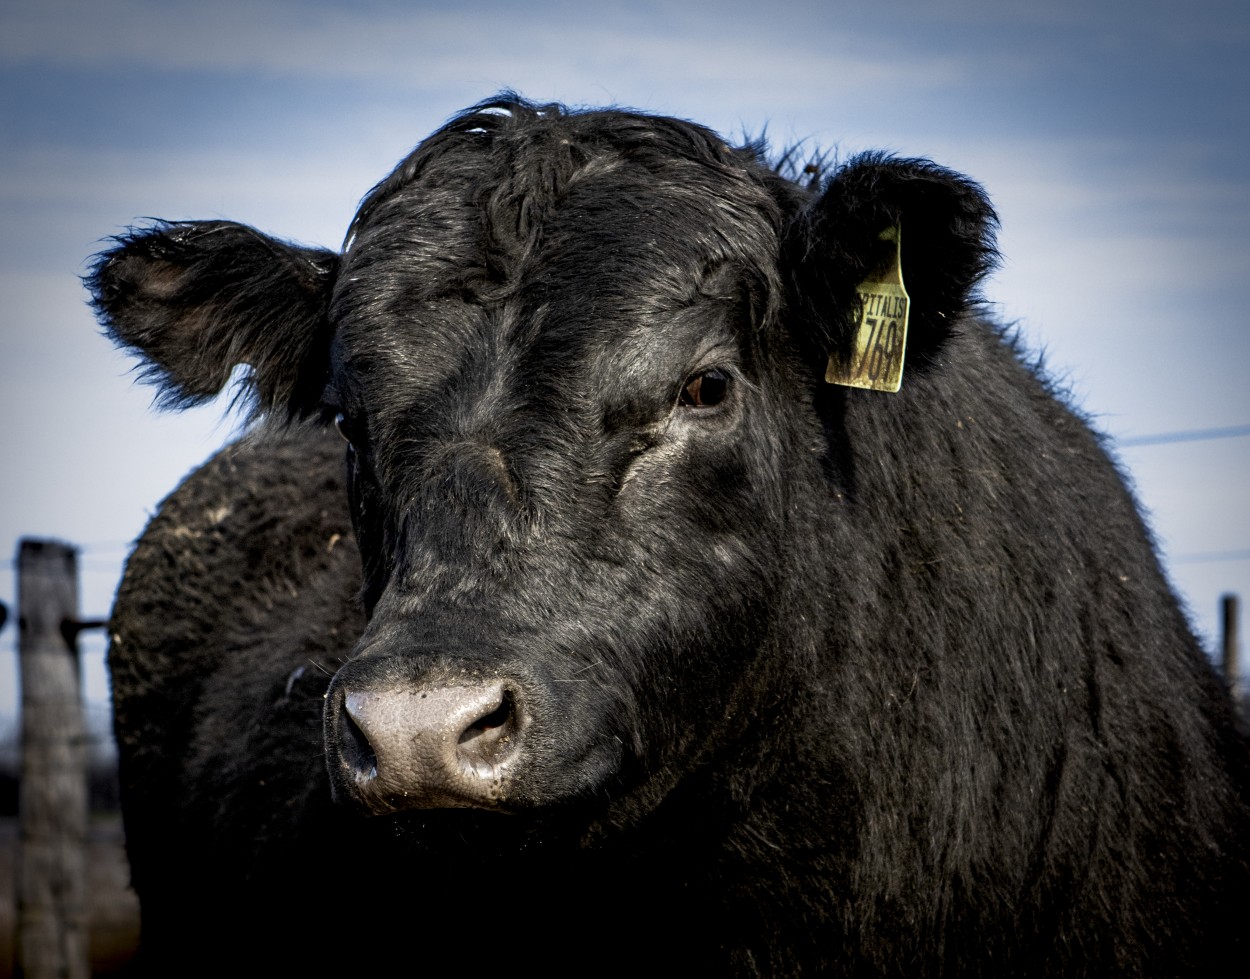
(1113, 137)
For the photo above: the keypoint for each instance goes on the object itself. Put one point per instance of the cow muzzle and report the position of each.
(429, 745)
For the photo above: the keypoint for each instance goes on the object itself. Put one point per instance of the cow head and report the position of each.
(576, 360)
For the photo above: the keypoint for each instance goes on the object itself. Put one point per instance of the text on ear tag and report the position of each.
(876, 357)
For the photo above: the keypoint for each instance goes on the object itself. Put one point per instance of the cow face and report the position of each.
(573, 357)
(566, 449)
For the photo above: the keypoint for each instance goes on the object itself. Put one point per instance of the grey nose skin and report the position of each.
(427, 747)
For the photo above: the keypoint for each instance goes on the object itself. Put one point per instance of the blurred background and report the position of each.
(1112, 136)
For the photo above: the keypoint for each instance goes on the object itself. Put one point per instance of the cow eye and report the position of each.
(705, 389)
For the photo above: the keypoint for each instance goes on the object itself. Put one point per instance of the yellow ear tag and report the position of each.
(876, 360)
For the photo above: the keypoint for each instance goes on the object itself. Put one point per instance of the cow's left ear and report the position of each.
(195, 299)
(946, 228)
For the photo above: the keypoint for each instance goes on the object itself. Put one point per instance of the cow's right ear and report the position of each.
(196, 299)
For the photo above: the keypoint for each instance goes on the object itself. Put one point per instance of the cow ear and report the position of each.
(946, 229)
(196, 299)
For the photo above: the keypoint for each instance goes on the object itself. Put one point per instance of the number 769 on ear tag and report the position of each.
(876, 356)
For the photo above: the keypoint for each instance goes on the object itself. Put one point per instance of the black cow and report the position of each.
(625, 642)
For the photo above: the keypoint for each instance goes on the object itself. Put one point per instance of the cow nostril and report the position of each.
(500, 716)
(490, 739)
(357, 752)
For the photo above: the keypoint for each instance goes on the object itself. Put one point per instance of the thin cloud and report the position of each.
(418, 49)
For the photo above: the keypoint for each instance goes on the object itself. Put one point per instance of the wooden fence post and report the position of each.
(52, 926)
(1228, 642)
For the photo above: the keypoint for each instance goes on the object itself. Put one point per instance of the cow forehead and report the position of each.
(494, 201)
(620, 260)
(616, 231)
(586, 246)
